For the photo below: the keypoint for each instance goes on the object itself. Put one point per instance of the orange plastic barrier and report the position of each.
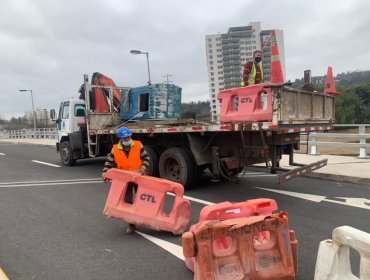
(227, 210)
(329, 83)
(243, 259)
(246, 104)
(147, 209)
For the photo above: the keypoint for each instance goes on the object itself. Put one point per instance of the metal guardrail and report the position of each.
(361, 136)
(41, 133)
(52, 133)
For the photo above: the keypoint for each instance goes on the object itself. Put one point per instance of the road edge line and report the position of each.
(3, 275)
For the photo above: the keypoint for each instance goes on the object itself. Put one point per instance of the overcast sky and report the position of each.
(47, 45)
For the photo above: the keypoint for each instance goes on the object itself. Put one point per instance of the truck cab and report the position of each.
(71, 125)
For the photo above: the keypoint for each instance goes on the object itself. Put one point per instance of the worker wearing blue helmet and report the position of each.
(128, 155)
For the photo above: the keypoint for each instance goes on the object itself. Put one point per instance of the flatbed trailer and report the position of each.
(181, 149)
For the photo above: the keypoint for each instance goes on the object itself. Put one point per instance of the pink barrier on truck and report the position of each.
(246, 104)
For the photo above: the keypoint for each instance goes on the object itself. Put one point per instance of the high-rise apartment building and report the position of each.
(226, 55)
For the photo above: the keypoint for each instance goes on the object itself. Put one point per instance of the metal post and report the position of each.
(34, 116)
(33, 111)
(363, 154)
(314, 147)
(147, 60)
(167, 80)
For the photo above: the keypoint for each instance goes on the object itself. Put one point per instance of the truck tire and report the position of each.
(66, 154)
(175, 164)
(154, 162)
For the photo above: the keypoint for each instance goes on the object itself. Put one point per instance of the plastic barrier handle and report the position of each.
(354, 238)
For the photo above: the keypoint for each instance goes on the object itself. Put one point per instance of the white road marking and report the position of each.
(252, 173)
(50, 181)
(201, 201)
(349, 201)
(257, 175)
(198, 200)
(2, 154)
(311, 197)
(3, 275)
(46, 163)
(50, 184)
(174, 249)
(352, 201)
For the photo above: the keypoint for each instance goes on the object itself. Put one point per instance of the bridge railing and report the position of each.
(41, 133)
(359, 137)
(312, 141)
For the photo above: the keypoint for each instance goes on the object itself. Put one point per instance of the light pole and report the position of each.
(33, 111)
(166, 76)
(147, 61)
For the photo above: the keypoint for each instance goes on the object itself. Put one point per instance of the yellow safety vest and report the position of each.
(252, 75)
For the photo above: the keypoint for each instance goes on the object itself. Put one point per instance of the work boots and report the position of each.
(131, 228)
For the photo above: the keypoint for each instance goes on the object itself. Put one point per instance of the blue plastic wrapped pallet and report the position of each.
(159, 101)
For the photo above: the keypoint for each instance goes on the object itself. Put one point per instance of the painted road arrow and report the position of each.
(349, 201)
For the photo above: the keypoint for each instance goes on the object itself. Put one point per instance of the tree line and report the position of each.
(353, 103)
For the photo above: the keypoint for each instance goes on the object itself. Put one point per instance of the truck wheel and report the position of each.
(154, 162)
(66, 154)
(175, 164)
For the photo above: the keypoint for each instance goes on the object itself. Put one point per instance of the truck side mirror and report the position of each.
(52, 114)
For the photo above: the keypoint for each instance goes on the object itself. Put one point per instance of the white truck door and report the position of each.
(71, 116)
(63, 124)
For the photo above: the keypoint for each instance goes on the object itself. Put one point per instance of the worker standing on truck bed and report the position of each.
(253, 72)
(128, 155)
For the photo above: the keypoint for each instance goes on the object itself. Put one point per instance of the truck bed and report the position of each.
(293, 110)
(303, 107)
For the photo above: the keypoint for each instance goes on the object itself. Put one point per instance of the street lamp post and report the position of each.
(147, 61)
(33, 111)
(166, 76)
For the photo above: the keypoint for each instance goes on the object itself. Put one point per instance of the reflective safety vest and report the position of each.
(252, 75)
(133, 162)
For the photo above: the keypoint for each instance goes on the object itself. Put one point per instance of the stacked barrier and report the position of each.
(333, 262)
(147, 208)
(227, 210)
(246, 104)
(243, 258)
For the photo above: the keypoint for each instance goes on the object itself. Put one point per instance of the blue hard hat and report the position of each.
(124, 132)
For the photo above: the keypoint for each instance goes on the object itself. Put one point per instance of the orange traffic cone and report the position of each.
(329, 83)
(276, 70)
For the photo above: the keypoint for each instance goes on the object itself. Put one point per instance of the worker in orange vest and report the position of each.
(253, 72)
(128, 155)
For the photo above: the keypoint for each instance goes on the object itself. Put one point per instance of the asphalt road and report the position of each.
(52, 226)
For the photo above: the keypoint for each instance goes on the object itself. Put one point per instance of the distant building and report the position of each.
(227, 53)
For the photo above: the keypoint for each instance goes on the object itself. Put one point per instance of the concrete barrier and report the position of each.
(333, 259)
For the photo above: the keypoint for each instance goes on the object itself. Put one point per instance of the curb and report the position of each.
(339, 178)
(26, 143)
